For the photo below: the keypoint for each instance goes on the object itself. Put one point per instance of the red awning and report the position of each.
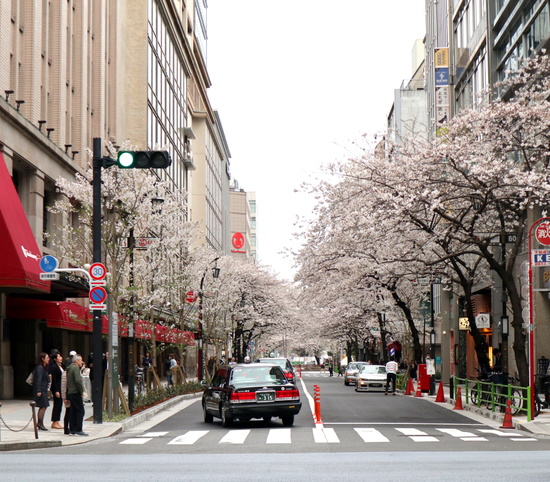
(72, 316)
(58, 314)
(19, 269)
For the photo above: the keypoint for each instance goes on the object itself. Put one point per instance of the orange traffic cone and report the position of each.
(410, 387)
(458, 402)
(507, 423)
(418, 390)
(440, 395)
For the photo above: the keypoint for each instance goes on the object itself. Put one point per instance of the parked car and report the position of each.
(284, 363)
(252, 390)
(351, 372)
(371, 377)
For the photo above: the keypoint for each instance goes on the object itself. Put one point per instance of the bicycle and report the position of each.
(481, 392)
(139, 382)
(515, 396)
(493, 395)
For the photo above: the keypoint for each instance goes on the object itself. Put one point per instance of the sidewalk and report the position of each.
(17, 430)
(539, 426)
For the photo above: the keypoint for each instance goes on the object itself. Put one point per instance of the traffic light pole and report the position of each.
(97, 382)
(138, 159)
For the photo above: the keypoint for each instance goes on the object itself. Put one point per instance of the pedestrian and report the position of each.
(40, 386)
(211, 366)
(170, 373)
(56, 370)
(147, 361)
(233, 361)
(64, 394)
(413, 370)
(391, 374)
(430, 371)
(75, 390)
(330, 367)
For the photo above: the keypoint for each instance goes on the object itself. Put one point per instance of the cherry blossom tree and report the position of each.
(450, 199)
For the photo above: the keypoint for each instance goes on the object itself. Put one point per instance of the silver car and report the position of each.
(371, 377)
(351, 372)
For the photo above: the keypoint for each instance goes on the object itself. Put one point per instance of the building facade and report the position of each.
(471, 45)
(130, 72)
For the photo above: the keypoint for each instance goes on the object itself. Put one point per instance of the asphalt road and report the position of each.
(363, 435)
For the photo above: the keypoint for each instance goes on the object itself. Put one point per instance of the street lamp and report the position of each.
(432, 343)
(215, 274)
(505, 331)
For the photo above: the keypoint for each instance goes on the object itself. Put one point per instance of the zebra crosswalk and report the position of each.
(329, 435)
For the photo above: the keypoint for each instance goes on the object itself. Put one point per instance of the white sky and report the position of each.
(294, 82)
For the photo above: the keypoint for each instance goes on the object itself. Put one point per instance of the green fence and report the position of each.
(492, 395)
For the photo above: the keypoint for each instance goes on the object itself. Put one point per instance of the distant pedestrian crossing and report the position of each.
(328, 435)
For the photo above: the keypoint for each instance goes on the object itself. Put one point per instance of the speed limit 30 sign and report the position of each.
(98, 294)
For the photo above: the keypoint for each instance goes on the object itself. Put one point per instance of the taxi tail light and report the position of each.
(288, 394)
(289, 375)
(242, 396)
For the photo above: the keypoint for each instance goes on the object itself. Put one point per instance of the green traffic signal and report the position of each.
(144, 159)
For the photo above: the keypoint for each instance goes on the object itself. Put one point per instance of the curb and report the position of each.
(107, 431)
(40, 444)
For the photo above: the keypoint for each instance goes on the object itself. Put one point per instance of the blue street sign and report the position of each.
(48, 264)
(540, 257)
(442, 76)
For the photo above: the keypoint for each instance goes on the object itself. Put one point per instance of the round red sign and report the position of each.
(190, 297)
(542, 233)
(238, 240)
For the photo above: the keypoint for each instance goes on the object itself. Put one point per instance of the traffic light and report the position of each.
(144, 159)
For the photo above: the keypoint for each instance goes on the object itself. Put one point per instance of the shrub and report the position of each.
(155, 396)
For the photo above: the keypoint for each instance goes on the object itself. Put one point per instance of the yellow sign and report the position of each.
(441, 57)
(463, 323)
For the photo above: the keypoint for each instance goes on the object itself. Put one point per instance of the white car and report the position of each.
(371, 377)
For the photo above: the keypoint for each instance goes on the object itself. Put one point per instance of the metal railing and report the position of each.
(493, 395)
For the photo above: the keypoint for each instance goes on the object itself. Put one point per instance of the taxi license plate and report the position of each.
(265, 396)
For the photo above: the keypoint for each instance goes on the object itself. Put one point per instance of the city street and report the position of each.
(384, 435)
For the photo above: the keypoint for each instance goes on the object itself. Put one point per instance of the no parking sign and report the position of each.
(98, 294)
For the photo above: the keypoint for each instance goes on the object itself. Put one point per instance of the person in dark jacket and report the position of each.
(56, 370)
(75, 389)
(40, 384)
(67, 419)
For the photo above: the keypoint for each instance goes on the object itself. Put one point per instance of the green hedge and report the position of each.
(155, 396)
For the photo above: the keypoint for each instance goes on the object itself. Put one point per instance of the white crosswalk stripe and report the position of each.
(235, 437)
(466, 436)
(417, 435)
(370, 435)
(324, 435)
(136, 441)
(279, 436)
(189, 438)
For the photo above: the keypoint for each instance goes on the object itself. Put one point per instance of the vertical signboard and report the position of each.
(442, 91)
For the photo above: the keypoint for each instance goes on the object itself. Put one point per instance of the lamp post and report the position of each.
(215, 274)
(505, 331)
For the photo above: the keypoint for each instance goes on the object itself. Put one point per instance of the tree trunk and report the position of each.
(417, 347)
